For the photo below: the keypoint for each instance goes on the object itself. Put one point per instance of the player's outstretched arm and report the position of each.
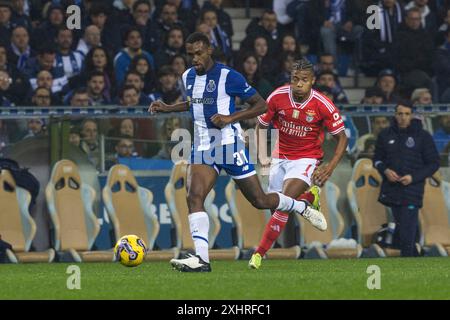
(159, 106)
(322, 174)
(257, 107)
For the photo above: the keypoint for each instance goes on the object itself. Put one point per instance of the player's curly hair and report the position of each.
(303, 64)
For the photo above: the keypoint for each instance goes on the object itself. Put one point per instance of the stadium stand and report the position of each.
(16, 223)
(434, 222)
(250, 223)
(75, 226)
(369, 214)
(324, 246)
(130, 209)
(175, 193)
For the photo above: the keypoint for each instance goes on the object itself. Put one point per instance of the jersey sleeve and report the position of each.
(332, 119)
(237, 86)
(267, 117)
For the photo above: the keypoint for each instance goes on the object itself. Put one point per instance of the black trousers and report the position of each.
(406, 223)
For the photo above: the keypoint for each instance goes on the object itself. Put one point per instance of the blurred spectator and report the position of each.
(124, 148)
(413, 53)
(142, 10)
(179, 65)
(266, 26)
(129, 96)
(365, 145)
(45, 79)
(173, 44)
(224, 18)
(75, 136)
(140, 65)
(442, 70)
(289, 44)
(90, 39)
(20, 50)
(70, 61)
(167, 87)
(287, 59)
(373, 95)
(133, 48)
(377, 43)
(127, 127)
(187, 12)
(21, 13)
(428, 17)
(250, 70)
(99, 60)
(445, 26)
(122, 11)
(280, 7)
(6, 24)
(5, 83)
(326, 63)
(36, 128)
(89, 141)
(80, 98)
(168, 127)
(338, 25)
(42, 97)
(166, 19)
(387, 82)
(20, 85)
(48, 30)
(328, 79)
(219, 38)
(405, 155)
(133, 78)
(96, 89)
(421, 96)
(100, 17)
(45, 60)
(441, 136)
(268, 65)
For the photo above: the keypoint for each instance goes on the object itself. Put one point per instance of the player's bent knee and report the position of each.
(195, 200)
(259, 203)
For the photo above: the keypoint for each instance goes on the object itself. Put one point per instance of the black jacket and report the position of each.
(408, 151)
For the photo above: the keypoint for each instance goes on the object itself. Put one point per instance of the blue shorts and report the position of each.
(234, 158)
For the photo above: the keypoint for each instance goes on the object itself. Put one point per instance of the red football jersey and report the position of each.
(300, 125)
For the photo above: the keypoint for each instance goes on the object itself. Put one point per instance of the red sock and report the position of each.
(272, 231)
(308, 196)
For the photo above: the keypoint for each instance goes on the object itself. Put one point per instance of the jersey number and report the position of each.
(240, 157)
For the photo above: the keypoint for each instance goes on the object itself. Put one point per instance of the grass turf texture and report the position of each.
(401, 278)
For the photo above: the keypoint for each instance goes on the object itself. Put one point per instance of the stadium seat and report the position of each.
(69, 202)
(433, 218)
(176, 194)
(17, 227)
(363, 190)
(129, 207)
(308, 234)
(250, 223)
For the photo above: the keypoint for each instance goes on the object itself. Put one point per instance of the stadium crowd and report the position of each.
(131, 52)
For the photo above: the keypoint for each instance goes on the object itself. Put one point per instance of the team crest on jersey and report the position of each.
(310, 116)
(211, 86)
(295, 114)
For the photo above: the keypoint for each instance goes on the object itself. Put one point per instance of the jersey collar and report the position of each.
(300, 105)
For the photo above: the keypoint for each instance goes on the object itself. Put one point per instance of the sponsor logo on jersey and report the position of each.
(203, 100)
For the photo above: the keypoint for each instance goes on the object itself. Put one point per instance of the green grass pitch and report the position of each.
(401, 278)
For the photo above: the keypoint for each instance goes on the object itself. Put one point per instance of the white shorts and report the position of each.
(282, 169)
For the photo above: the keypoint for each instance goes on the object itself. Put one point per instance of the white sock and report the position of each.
(199, 224)
(287, 204)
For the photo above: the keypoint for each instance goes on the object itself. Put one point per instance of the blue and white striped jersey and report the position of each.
(212, 93)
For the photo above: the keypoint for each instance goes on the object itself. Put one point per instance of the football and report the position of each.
(130, 250)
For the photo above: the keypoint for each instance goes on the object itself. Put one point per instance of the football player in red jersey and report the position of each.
(300, 114)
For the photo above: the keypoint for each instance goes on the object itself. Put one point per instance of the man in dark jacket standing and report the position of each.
(405, 155)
